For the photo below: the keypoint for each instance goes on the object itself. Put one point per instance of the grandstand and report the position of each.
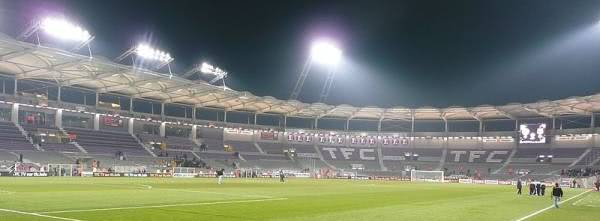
(100, 134)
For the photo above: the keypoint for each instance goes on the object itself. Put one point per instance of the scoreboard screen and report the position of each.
(532, 133)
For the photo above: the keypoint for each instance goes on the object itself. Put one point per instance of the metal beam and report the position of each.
(15, 54)
(510, 116)
(125, 86)
(537, 111)
(52, 68)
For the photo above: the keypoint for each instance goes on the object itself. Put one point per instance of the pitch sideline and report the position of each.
(38, 214)
(161, 206)
(550, 207)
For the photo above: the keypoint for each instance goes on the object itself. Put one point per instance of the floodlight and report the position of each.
(147, 52)
(325, 52)
(210, 69)
(63, 29)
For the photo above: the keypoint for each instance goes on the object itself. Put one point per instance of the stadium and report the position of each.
(84, 137)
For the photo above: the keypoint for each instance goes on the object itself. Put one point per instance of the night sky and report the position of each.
(396, 53)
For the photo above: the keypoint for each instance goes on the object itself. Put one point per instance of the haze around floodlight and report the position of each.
(325, 52)
(63, 29)
(145, 51)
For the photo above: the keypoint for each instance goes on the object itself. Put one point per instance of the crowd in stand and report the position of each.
(582, 172)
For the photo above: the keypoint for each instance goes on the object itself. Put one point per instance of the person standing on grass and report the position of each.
(543, 188)
(220, 176)
(557, 193)
(531, 187)
(281, 176)
(519, 187)
(597, 185)
(538, 188)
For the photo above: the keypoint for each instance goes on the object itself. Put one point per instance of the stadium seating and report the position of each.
(348, 158)
(12, 139)
(270, 161)
(60, 147)
(303, 148)
(424, 154)
(242, 146)
(7, 156)
(275, 148)
(175, 143)
(46, 157)
(108, 142)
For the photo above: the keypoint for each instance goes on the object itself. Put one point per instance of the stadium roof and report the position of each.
(29, 61)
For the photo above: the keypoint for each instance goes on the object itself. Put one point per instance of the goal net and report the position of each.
(426, 176)
(185, 172)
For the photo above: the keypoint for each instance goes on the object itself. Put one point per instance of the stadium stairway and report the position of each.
(258, 148)
(12, 138)
(380, 159)
(507, 162)
(137, 139)
(24, 133)
(83, 150)
(443, 159)
(581, 157)
(321, 157)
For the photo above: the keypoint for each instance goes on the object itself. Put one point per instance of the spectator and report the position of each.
(531, 188)
(557, 193)
(543, 188)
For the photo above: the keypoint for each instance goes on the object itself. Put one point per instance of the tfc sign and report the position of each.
(479, 155)
(346, 153)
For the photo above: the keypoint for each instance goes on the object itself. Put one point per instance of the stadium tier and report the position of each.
(242, 146)
(223, 147)
(274, 148)
(172, 142)
(108, 142)
(12, 139)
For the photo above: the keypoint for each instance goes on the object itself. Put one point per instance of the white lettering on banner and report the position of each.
(362, 154)
(490, 158)
(457, 154)
(478, 154)
(331, 151)
(475, 155)
(347, 152)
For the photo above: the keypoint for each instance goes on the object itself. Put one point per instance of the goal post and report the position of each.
(426, 176)
(185, 172)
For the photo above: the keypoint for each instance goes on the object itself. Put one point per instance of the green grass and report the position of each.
(267, 199)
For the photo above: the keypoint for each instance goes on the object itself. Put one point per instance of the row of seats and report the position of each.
(108, 142)
(12, 139)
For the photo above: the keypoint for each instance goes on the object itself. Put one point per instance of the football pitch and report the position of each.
(165, 199)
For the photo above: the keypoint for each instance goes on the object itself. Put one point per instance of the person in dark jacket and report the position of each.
(557, 193)
(531, 188)
(538, 188)
(519, 187)
(220, 176)
(543, 188)
(281, 176)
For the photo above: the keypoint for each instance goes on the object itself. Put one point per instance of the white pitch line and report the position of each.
(217, 193)
(550, 207)
(37, 214)
(162, 206)
(578, 201)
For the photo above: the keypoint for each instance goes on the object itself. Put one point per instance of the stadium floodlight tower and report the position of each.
(59, 28)
(325, 53)
(220, 74)
(144, 51)
(206, 68)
